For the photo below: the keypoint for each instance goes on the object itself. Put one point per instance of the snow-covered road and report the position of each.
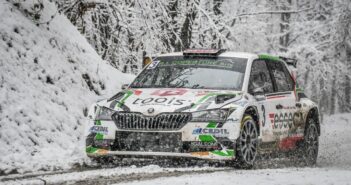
(334, 167)
(284, 176)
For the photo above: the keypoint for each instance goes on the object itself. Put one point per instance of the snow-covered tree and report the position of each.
(316, 32)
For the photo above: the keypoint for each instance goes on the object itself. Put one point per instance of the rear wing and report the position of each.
(289, 61)
(291, 64)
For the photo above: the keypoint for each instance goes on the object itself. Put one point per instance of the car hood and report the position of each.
(152, 101)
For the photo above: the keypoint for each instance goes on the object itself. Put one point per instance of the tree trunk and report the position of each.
(284, 28)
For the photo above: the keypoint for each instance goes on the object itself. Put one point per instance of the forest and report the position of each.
(316, 32)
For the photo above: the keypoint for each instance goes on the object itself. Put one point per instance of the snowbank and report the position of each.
(48, 75)
(335, 141)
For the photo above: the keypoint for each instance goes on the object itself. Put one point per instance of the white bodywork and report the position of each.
(275, 126)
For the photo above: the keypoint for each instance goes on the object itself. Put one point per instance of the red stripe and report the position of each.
(289, 142)
(271, 115)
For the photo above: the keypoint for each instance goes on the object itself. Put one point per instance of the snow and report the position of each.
(43, 91)
(49, 74)
(335, 141)
(289, 176)
(107, 173)
(333, 167)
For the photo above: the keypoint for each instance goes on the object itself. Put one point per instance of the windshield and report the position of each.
(197, 73)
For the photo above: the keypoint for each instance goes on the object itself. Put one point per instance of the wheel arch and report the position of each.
(253, 112)
(314, 114)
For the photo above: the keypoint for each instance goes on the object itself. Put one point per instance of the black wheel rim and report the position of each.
(248, 142)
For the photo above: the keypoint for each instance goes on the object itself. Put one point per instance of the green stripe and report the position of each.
(211, 124)
(120, 103)
(99, 136)
(209, 95)
(227, 153)
(98, 122)
(203, 99)
(91, 149)
(207, 138)
(269, 57)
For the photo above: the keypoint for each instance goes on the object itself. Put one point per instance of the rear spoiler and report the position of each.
(289, 61)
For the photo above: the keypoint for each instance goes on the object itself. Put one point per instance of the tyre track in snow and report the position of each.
(98, 176)
(143, 176)
(124, 170)
(276, 163)
(123, 173)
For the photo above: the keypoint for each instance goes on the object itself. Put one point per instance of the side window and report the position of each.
(281, 75)
(260, 78)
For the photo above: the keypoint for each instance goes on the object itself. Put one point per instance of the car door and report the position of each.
(282, 102)
(260, 85)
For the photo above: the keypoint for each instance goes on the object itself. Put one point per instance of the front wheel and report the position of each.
(247, 143)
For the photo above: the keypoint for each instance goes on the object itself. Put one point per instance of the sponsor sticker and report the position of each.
(169, 92)
(159, 101)
(137, 92)
(204, 144)
(99, 130)
(211, 131)
(153, 65)
(281, 120)
(225, 63)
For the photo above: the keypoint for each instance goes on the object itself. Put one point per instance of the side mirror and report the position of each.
(258, 91)
(258, 94)
(124, 86)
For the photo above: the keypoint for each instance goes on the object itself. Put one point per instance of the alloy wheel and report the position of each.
(248, 142)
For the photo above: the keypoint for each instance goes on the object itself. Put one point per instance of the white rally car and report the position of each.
(208, 104)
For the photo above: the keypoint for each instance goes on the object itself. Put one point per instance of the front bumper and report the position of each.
(159, 144)
(210, 155)
(194, 140)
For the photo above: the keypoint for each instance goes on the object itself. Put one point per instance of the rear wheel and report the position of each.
(310, 143)
(307, 150)
(247, 143)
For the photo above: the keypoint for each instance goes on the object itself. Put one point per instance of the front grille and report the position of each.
(138, 121)
(148, 141)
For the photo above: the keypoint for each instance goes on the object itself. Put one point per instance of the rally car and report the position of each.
(208, 104)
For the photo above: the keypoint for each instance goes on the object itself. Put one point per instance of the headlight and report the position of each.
(218, 115)
(103, 113)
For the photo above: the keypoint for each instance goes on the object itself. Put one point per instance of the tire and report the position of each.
(310, 143)
(247, 144)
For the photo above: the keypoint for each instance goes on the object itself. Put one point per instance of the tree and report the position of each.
(315, 32)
